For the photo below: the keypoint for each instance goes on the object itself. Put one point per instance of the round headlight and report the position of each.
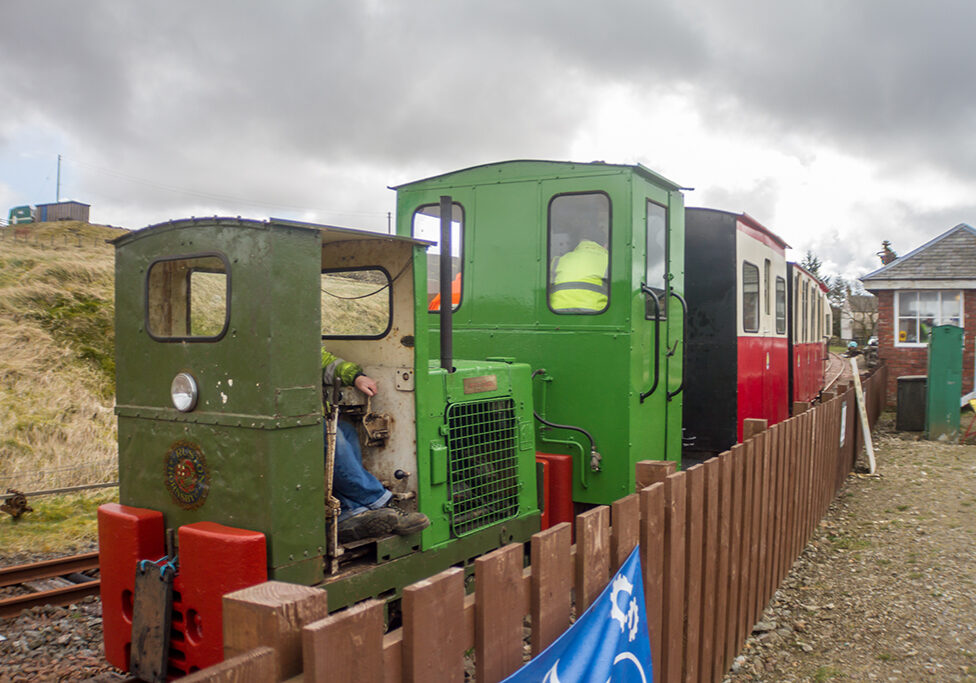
(184, 392)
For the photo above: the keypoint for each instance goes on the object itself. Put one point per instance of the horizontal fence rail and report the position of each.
(715, 542)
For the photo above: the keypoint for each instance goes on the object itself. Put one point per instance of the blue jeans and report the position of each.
(355, 487)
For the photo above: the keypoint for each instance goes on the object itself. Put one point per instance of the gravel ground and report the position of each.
(884, 591)
(53, 643)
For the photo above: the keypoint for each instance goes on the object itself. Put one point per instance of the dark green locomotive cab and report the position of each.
(219, 330)
(607, 347)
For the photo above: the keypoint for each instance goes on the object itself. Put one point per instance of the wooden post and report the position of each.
(499, 610)
(347, 646)
(272, 614)
(800, 407)
(695, 479)
(552, 580)
(709, 568)
(592, 555)
(752, 426)
(433, 628)
(862, 411)
(254, 665)
(652, 563)
(653, 471)
(624, 529)
(675, 491)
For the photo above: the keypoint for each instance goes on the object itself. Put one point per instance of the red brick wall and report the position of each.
(913, 361)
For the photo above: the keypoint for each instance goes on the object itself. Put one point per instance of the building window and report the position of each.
(918, 312)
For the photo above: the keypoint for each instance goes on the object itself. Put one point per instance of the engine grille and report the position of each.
(482, 446)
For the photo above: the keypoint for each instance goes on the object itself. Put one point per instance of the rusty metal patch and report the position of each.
(475, 385)
(187, 475)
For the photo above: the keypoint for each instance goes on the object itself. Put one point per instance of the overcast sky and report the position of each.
(836, 123)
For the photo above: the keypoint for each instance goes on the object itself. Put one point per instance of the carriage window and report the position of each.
(780, 306)
(767, 284)
(427, 226)
(750, 297)
(579, 234)
(806, 313)
(187, 298)
(656, 272)
(356, 303)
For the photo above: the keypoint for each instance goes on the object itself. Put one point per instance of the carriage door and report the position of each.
(656, 313)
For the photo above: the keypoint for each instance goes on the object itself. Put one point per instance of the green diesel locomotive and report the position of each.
(222, 476)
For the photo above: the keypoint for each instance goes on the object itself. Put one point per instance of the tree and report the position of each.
(812, 264)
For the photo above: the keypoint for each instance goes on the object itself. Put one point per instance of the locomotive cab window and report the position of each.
(750, 297)
(579, 236)
(427, 226)
(356, 303)
(187, 298)
(656, 271)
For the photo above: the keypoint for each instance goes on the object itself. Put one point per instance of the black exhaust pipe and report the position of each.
(447, 300)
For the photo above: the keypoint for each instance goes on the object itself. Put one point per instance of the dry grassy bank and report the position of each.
(57, 372)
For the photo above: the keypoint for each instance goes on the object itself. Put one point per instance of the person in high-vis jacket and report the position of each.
(579, 282)
(366, 509)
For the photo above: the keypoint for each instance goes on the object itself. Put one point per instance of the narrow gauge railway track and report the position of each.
(836, 368)
(53, 582)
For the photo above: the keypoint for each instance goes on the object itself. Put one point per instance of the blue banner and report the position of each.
(608, 643)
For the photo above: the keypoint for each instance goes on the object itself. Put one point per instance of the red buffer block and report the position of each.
(214, 560)
(558, 483)
(125, 536)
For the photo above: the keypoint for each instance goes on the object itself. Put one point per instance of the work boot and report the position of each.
(407, 522)
(368, 524)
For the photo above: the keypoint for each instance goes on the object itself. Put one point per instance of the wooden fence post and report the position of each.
(552, 579)
(674, 579)
(709, 567)
(653, 471)
(695, 481)
(752, 426)
(434, 628)
(347, 646)
(624, 529)
(272, 614)
(499, 608)
(653, 521)
(592, 555)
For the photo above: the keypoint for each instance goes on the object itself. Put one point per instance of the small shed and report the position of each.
(63, 211)
(934, 284)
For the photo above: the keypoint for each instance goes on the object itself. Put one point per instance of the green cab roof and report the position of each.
(330, 233)
(519, 169)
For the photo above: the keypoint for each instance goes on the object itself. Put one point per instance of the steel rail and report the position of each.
(840, 372)
(11, 607)
(19, 574)
(11, 576)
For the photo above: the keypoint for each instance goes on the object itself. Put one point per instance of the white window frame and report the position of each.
(897, 308)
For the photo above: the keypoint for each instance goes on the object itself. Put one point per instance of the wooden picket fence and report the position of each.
(715, 542)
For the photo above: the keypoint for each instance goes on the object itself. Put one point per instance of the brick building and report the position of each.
(932, 285)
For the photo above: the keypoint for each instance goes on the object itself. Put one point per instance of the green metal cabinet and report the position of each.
(944, 382)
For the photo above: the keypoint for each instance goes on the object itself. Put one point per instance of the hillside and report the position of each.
(57, 368)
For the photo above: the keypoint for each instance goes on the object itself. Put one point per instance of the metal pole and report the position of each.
(58, 192)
